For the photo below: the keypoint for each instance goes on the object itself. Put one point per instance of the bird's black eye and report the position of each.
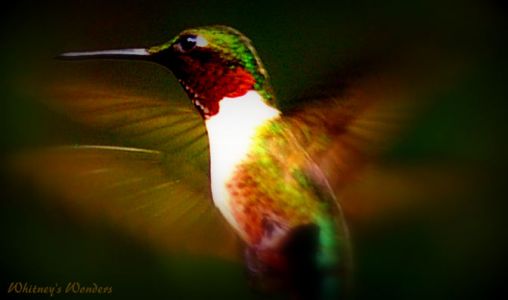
(187, 43)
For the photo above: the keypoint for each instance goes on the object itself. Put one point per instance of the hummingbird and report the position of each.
(273, 173)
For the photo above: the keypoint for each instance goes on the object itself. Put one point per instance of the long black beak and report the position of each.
(128, 54)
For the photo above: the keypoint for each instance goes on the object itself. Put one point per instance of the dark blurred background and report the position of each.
(454, 249)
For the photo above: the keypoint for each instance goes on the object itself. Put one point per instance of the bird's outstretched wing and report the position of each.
(346, 127)
(135, 120)
(160, 195)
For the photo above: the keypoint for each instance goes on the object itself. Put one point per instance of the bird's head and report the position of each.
(211, 63)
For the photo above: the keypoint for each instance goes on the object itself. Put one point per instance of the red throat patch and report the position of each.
(212, 81)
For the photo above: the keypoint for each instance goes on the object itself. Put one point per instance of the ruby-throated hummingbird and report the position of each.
(275, 174)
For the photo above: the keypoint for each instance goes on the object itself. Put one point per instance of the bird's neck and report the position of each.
(230, 133)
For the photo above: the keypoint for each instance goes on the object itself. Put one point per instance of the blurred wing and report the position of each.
(343, 130)
(385, 190)
(136, 120)
(155, 198)
(346, 129)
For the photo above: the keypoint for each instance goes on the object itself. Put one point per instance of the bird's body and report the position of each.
(263, 181)
(268, 188)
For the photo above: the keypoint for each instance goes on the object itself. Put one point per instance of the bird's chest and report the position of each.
(232, 133)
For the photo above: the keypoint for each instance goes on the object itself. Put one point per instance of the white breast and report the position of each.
(230, 134)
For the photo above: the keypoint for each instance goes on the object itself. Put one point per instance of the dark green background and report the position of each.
(454, 253)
